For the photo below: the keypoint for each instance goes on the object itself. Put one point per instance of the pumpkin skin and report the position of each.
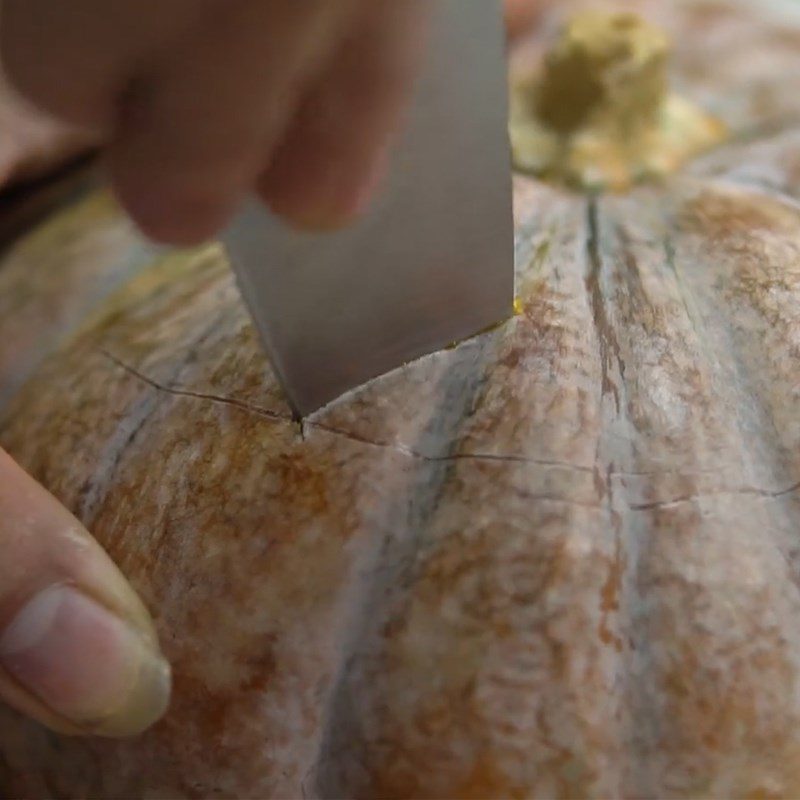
(559, 560)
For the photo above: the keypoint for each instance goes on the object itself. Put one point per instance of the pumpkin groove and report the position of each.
(559, 560)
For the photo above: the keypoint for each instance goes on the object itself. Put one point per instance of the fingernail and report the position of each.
(86, 664)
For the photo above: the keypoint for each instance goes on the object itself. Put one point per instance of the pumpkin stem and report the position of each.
(600, 115)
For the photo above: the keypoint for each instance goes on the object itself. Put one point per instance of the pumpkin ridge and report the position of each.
(373, 615)
(724, 207)
(748, 286)
(606, 336)
(617, 600)
(117, 446)
(669, 519)
(628, 304)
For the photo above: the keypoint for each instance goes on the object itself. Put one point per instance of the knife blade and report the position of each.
(430, 264)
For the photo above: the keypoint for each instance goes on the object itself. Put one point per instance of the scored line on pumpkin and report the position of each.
(275, 416)
(755, 491)
(230, 401)
(489, 457)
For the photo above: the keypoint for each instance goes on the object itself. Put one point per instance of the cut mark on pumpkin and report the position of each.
(275, 416)
(754, 491)
(214, 398)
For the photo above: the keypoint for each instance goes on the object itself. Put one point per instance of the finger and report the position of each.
(72, 59)
(193, 139)
(78, 651)
(32, 144)
(333, 155)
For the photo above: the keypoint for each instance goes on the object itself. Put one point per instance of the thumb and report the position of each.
(78, 651)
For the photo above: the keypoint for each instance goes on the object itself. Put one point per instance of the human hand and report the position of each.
(31, 144)
(203, 101)
(200, 108)
(78, 651)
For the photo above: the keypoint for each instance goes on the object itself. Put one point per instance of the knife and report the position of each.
(430, 264)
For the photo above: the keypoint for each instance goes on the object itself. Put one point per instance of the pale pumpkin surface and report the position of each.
(559, 560)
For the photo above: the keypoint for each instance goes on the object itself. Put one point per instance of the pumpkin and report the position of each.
(561, 559)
